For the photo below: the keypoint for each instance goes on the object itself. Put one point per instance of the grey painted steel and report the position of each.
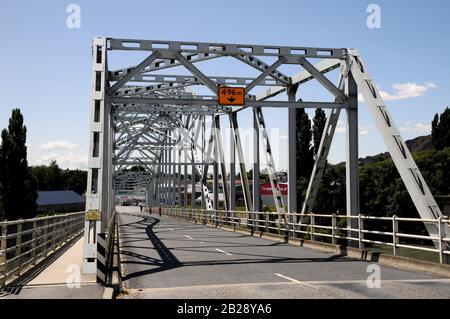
(241, 161)
(97, 190)
(406, 166)
(213, 102)
(321, 161)
(148, 125)
(267, 151)
(256, 164)
(232, 169)
(221, 157)
(352, 163)
(292, 156)
(225, 48)
(322, 156)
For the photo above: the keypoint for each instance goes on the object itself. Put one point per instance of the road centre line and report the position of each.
(295, 281)
(224, 252)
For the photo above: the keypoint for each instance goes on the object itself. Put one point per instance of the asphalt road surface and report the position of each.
(166, 258)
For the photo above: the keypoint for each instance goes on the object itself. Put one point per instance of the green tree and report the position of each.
(304, 154)
(52, 177)
(49, 178)
(18, 187)
(440, 130)
(74, 180)
(319, 122)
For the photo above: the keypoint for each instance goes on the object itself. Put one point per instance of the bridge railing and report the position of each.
(23, 243)
(358, 230)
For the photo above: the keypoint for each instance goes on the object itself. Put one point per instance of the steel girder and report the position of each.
(148, 128)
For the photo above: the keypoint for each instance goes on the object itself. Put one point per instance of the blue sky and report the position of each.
(46, 67)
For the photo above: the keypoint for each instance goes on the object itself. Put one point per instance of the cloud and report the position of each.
(403, 91)
(58, 145)
(66, 160)
(363, 130)
(416, 128)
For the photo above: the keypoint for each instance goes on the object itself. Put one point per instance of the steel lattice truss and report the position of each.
(148, 126)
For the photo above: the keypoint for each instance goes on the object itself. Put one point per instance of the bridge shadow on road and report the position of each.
(167, 261)
(143, 231)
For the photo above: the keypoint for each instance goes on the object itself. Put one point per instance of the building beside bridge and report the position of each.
(60, 202)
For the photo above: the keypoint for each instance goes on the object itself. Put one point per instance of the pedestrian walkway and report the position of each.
(57, 277)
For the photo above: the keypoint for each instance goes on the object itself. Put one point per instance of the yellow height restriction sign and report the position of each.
(231, 95)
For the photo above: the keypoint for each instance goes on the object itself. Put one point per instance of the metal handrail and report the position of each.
(24, 242)
(307, 225)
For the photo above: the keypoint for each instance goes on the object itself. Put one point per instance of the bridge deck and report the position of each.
(166, 258)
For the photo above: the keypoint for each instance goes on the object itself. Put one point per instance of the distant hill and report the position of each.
(417, 145)
(420, 144)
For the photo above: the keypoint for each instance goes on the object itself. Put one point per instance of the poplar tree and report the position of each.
(17, 186)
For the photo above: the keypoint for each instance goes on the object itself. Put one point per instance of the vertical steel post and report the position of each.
(179, 177)
(193, 182)
(99, 155)
(232, 172)
(185, 180)
(215, 167)
(352, 179)
(256, 169)
(170, 177)
(242, 170)
(203, 157)
(292, 158)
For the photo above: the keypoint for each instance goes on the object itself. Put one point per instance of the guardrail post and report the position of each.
(360, 233)
(441, 234)
(395, 240)
(3, 248)
(313, 238)
(44, 237)
(34, 238)
(18, 245)
(53, 241)
(333, 229)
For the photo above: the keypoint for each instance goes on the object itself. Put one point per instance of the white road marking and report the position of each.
(170, 229)
(406, 281)
(202, 242)
(295, 281)
(189, 237)
(290, 282)
(224, 252)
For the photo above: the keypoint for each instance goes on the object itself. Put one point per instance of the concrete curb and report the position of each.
(108, 293)
(123, 285)
(399, 262)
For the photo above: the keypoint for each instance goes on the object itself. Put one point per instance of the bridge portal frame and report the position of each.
(141, 118)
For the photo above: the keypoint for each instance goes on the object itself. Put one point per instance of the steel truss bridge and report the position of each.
(149, 122)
